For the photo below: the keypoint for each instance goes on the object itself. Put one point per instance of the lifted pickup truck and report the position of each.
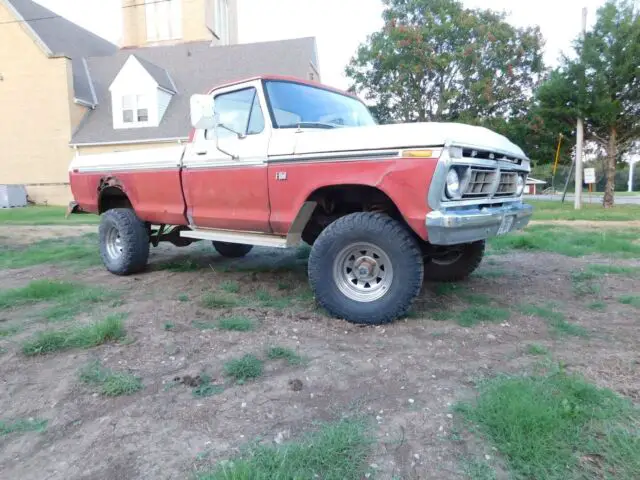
(275, 161)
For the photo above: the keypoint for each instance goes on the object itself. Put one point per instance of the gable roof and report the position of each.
(193, 68)
(159, 74)
(57, 35)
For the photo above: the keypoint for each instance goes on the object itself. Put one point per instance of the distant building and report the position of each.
(66, 91)
(530, 187)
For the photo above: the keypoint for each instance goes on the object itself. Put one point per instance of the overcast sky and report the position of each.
(341, 25)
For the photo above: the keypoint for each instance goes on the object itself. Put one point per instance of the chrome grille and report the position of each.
(508, 184)
(480, 183)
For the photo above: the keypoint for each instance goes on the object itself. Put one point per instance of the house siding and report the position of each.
(38, 115)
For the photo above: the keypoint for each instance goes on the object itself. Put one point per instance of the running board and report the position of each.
(247, 238)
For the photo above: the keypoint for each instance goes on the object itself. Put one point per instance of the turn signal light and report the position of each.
(432, 153)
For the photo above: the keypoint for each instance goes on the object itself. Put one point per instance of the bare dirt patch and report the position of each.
(403, 377)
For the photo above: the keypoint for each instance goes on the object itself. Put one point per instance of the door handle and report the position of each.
(201, 152)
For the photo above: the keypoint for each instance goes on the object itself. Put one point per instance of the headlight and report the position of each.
(453, 184)
(520, 185)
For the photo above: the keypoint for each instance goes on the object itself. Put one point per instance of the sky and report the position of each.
(341, 25)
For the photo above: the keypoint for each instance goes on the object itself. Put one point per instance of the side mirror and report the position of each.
(202, 113)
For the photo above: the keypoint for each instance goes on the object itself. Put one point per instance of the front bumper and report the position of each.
(465, 225)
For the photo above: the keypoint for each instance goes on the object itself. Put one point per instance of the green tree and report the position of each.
(435, 60)
(602, 85)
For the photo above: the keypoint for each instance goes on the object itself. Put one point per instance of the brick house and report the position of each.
(65, 91)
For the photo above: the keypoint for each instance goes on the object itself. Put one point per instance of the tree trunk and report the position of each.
(610, 170)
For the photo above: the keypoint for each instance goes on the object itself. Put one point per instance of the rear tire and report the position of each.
(232, 250)
(455, 267)
(366, 268)
(124, 241)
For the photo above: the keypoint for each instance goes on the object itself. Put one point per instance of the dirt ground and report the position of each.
(404, 376)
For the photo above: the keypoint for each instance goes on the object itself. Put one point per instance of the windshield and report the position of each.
(296, 104)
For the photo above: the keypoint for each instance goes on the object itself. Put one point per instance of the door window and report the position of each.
(239, 112)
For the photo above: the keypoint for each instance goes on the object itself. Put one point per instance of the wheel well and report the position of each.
(112, 197)
(337, 201)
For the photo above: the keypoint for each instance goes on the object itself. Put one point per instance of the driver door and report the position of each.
(225, 176)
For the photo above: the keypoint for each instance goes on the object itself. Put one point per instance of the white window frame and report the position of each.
(221, 21)
(135, 100)
(163, 20)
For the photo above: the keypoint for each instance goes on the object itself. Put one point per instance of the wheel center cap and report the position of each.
(365, 268)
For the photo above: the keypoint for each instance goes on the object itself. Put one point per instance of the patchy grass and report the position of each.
(245, 368)
(8, 331)
(535, 349)
(603, 269)
(476, 298)
(554, 210)
(585, 282)
(204, 325)
(183, 297)
(215, 300)
(236, 323)
(267, 300)
(230, 286)
(336, 451)
(476, 469)
(558, 426)
(85, 336)
(184, 265)
(598, 306)
(82, 300)
(168, 326)
(556, 320)
(111, 383)
(633, 300)
(74, 251)
(41, 215)
(206, 388)
(481, 313)
(34, 292)
(569, 241)
(284, 353)
(22, 425)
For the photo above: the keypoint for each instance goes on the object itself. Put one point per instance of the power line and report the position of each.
(52, 17)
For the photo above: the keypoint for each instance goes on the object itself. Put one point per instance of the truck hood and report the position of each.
(404, 135)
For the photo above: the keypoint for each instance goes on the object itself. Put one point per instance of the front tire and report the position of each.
(232, 250)
(366, 268)
(124, 241)
(455, 264)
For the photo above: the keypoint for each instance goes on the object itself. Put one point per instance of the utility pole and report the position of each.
(580, 134)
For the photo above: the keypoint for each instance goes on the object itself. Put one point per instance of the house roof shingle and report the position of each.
(194, 68)
(62, 38)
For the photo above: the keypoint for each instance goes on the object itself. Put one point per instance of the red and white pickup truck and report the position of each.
(275, 161)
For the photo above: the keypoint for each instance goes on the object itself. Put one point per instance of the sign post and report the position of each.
(590, 179)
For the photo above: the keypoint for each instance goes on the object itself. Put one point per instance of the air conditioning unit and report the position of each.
(13, 196)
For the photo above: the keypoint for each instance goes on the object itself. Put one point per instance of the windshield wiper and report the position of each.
(310, 125)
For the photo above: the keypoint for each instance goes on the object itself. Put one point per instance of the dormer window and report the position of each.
(135, 109)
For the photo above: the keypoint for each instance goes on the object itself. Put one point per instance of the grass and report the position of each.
(284, 353)
(204, 325)
(535, 349)
(605, 269)
(230, 286)
(34, 292)
(267, 300)
(206, 388)
(185, 265)
(41, 215)
(168, 326)
(558, 426)
(111, 383)
(481, 313)
(215, 300)
(83, 299)
(9, 331)
(85, 336)
(183, 297)
(476, 469)
(22, 425)
(555, 320)
(74, 251)
(336, 451)
(585, 283)
(633, 300)
(597, 305)
(554, 210)
(245, 368)
(572, 242)
(236, 323)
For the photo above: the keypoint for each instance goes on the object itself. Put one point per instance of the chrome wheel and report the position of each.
(363, 272)
(113, 243)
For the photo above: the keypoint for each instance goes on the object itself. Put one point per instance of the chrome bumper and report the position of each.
(465, 225)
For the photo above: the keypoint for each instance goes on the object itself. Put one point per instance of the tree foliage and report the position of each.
(435, 60)
(602, 85)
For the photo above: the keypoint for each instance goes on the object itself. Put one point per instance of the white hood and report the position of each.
(403, 135)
